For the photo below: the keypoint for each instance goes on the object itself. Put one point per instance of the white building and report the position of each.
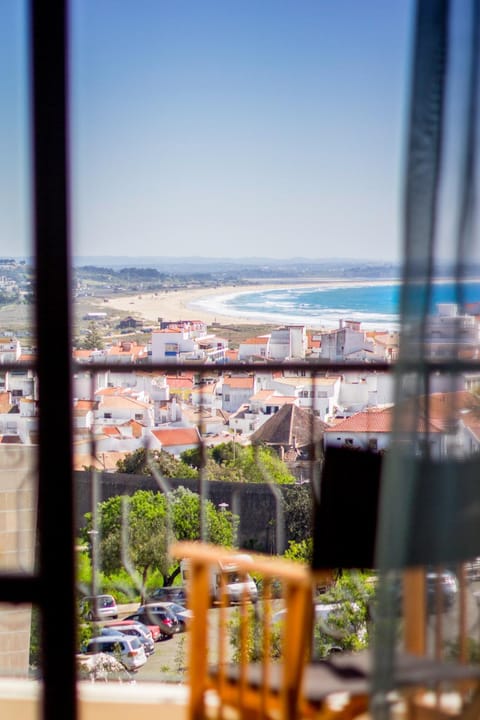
(319, 394)
(347, 342)
(10, 349)
(451, 332)
(236, 391)
(254, 348)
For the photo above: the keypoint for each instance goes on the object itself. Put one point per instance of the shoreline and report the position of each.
(196, 304)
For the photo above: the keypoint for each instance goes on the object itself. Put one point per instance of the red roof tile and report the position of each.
(177, 436)
(239, 382)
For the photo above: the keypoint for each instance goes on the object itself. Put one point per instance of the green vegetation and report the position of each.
(347, 626)
(234, 462)
(300, 551)
(297, 507)
(140, 462)
(229, 462)
(135, 533)
(344, 627)
(93, 339)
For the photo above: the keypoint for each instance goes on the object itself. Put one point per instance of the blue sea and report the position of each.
(375, 305)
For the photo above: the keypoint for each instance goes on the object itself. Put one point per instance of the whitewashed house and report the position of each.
(174, 440)
(236, 391)
(349, 341)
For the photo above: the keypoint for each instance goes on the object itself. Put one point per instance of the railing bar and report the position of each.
(267, 636)
(222, 640)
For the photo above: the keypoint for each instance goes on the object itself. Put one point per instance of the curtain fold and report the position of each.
(430, 498)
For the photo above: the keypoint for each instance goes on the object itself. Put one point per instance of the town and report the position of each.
(175, 410)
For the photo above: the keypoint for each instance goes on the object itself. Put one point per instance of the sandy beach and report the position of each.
(206, 303)
(182, 304)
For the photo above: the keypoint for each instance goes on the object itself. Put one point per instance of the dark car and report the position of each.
(174, 594)
(446, 584)
(182, 614)
(152, 614)
(441, 590)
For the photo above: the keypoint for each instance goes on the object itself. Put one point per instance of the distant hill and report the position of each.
(248, 268)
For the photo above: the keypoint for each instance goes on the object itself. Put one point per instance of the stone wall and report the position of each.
(18, 514)
(255, 503)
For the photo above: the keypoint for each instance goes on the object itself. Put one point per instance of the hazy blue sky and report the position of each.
(222, 128)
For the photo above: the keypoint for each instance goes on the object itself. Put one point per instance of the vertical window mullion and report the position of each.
(49, 49)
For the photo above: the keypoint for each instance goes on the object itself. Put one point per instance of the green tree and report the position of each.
(238, 463)
(300, 551)
(152, 521)
(93, 339)
(140, 461)
(346, 627)
(297, 507)
(262, 464)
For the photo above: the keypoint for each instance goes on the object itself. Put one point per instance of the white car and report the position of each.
(126, 648)
(326, 615)
(99, 607)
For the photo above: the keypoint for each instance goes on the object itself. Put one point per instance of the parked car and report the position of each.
(133, 629)
(154, 630)
(98, 607)
(182, 614)
(447, 584)
(445, 581)
(128, 650)
(327, 617)
(174, 593)
(156, 614)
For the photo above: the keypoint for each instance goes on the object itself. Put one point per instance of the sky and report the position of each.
(221, 128)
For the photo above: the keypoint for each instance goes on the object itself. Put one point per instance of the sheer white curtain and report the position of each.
(430, 500)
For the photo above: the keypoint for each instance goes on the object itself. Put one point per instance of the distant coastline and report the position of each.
(208, 304)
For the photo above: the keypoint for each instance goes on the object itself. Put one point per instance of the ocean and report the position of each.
(374, 305)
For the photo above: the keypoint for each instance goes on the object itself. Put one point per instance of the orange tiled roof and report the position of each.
(111, 431)
(177, 436)
(262, 395)
(128, 349)
(374, 420)
(261, 340)
(115, 401)
(180, 383)
(378, 420)
(137, 428)
(110, 391)
(85, 404)
(239, 382)
(5, 402)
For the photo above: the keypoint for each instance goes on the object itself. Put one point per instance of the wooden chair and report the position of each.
(260, 690)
